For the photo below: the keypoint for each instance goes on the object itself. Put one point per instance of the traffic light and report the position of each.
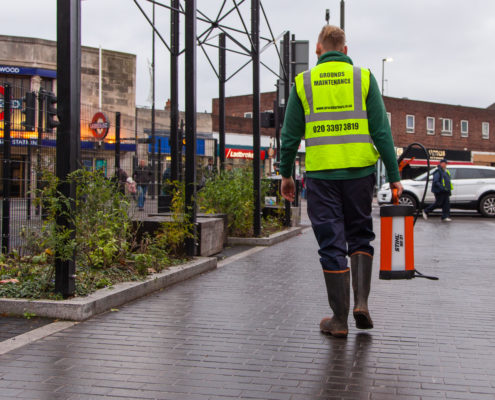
(267, 119)
(51, 112)
(29, 110)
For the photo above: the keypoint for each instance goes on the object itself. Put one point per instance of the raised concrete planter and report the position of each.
(211, 230)
(81, 308)
(266, 241)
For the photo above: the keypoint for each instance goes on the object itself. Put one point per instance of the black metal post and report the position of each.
(28, 183)
(175, 144)
(117, 142)
(7, 171)
(276, 118)
(39, 174)
(190, 88)
(180, 138)
(255, 53)
(221, 98)
(68, 132)
(287, 79)
(292, 76)
(153, 138)
(342, 15)
(159, 167)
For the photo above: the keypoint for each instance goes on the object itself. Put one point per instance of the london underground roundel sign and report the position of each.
(99, 125)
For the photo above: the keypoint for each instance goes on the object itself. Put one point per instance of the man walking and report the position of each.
(143, 177)
(442, 189)
(339, 111)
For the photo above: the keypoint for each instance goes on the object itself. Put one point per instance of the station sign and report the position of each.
(99, 125)
(16, 70)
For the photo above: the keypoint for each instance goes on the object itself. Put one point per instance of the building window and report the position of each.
(389, 117)
(248, 114)
(485, 130)
(464, 128)
(430, 125)
(410, 123)
(446, 126)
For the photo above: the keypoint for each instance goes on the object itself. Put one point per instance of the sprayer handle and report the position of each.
(395, 197)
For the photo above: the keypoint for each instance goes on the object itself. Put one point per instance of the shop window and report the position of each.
(410, 123)
(248, 114)
(464, 128)
(485, 130)
(389, 117)
(446, 126)
(430, 125)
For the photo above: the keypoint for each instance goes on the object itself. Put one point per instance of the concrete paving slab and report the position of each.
(250, 330)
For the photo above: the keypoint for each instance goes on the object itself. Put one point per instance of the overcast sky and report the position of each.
(442, 50)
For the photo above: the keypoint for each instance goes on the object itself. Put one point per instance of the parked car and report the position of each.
(474, 189)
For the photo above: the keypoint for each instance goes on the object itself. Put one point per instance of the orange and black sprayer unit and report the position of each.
(397, 231)
(397, 240)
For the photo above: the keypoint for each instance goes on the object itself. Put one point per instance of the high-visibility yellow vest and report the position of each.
(333, 95)
(443, 181)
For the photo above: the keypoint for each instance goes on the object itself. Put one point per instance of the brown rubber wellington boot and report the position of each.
(361, 266)
(338, 289)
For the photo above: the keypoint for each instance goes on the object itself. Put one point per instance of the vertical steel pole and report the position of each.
(117, 142)
(153, 138)
(221, 98)
(342, 15)
(28, 168)
(7, 171)
(175, 146)
(292, 76)
(287, 79)
(39, 174)
(191, 122)
(159, 167)
(277, 118)
(255, 54)
(68, 132)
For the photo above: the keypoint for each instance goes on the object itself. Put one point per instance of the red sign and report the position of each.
(242, 153)
(99, 125)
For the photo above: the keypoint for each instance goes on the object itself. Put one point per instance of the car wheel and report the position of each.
(487, 205)
(408, 200)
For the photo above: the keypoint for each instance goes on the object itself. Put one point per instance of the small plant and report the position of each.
(173, 234)
(28, 315)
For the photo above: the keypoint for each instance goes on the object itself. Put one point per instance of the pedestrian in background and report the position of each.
(442, 189)
(121, 180)
(143, 177)
(339, 111)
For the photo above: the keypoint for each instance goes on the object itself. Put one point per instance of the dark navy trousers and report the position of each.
(340, 213)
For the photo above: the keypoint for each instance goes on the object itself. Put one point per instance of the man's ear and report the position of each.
(319, 49)
(345, 50)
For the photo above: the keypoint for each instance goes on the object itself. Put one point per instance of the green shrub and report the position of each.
(231, 193)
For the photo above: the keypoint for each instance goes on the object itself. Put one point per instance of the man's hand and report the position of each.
(288, 189)
(397, 185)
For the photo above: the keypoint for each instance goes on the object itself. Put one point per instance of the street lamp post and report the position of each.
(384, 60)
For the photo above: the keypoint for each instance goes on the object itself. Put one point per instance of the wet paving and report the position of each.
(14, 326)
(249, 330)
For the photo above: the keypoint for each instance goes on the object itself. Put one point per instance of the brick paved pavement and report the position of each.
(13, 326)
(250, 330)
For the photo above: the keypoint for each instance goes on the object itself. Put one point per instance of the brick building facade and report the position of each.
(238, 112)
(444, 127)
(463, 134)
